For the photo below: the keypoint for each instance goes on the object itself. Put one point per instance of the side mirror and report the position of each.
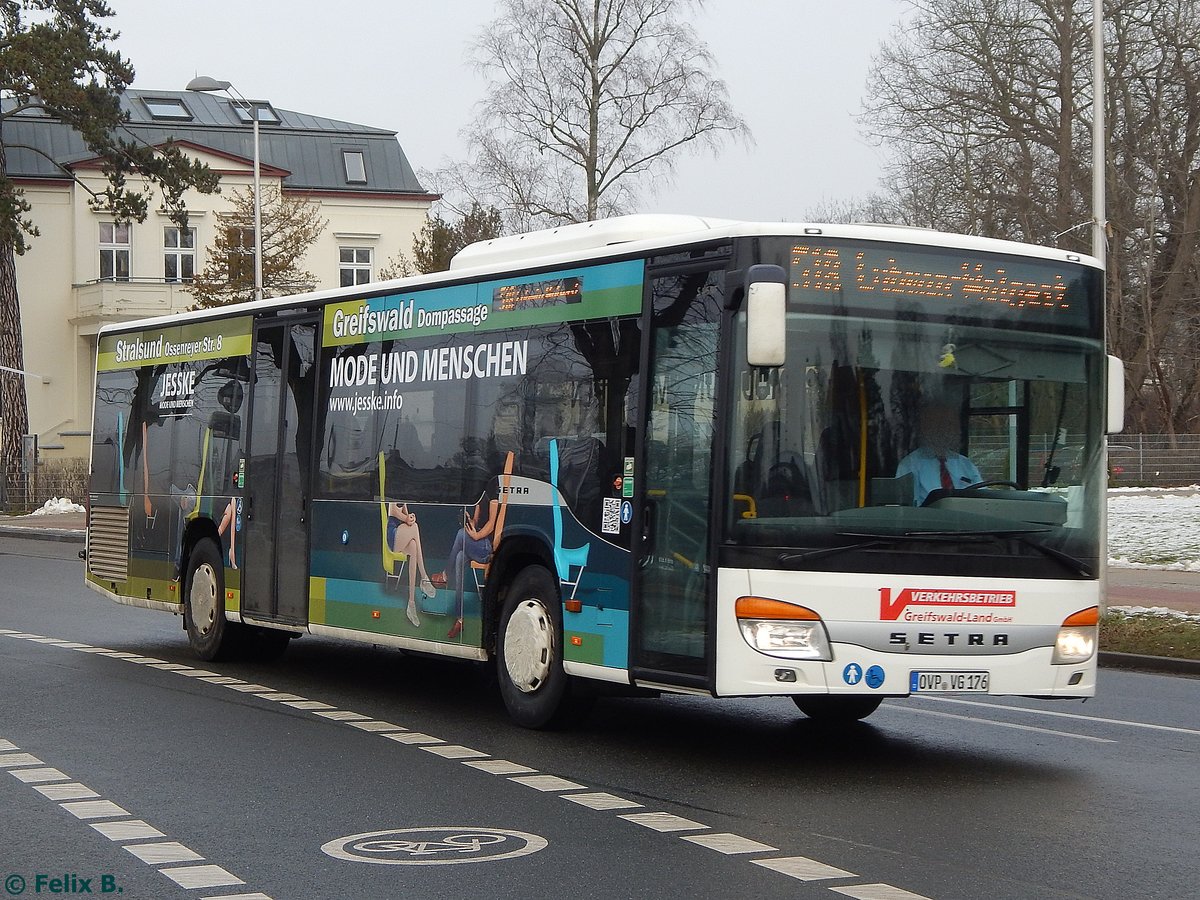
(1116, 395)
(766, 316)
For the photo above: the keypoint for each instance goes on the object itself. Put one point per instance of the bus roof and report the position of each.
(586, 241)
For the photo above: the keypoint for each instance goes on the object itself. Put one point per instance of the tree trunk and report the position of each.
(14, 412)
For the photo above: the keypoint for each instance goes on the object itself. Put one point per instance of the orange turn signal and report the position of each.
(576, 641)
(1089, 616)
(764, 608)
(573, 605)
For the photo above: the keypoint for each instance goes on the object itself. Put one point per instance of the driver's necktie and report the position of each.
(947, 481)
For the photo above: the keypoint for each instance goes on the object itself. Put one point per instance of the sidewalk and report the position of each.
(53, 527)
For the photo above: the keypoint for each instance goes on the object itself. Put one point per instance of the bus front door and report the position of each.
(278, 477)
(672, 603)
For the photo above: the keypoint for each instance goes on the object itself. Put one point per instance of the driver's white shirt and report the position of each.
(922, 463)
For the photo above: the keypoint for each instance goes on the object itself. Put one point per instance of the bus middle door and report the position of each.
(278, 471)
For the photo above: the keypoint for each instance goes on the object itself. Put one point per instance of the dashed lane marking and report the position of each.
(601, 800)
(663, 821)
(798, 867)
(803, 868)
(729, 843)
(121, 830)
(1063, 715)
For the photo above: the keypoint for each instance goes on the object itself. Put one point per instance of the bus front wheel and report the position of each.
(204, 603)
(827, 708)
(529, 650)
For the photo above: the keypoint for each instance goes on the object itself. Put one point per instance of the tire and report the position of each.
(209, 634)
(529, 667)
(826, 708)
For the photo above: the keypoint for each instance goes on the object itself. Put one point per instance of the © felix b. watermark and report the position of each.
(67, 883)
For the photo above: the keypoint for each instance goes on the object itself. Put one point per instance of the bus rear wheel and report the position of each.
(210, 635)
(826, 708)
(529, 650)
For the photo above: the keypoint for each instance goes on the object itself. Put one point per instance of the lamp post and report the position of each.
(205, 83)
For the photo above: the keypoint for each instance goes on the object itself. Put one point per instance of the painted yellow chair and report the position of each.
(393, 562)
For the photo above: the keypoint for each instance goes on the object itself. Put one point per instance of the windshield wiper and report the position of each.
(1078, 566)
(875, 540)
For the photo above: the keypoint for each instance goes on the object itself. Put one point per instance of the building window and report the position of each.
(179, 254)
(114, 251)
(355, 166)
(355, 265)
(265, 112)
(240, 254)
(167, 108)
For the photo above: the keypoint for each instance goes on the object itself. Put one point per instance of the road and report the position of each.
(131, 765)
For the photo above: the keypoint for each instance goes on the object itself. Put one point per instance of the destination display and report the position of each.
(941, 282)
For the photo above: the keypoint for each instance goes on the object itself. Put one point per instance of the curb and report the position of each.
(1165, 665)
(62, 535)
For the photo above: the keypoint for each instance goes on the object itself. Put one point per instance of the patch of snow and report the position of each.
(57, 506)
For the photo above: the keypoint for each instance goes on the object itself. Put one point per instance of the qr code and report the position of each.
(610, 523)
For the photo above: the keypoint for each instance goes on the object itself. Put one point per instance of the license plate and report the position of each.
(948, 682)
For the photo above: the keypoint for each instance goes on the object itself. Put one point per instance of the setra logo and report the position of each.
(891, 610)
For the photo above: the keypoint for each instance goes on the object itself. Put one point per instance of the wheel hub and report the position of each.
(529, 645)
(203, 598)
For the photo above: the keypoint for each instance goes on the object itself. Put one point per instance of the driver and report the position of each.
(936, 463)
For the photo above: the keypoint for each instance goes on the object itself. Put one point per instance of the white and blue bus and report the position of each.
(653, 453)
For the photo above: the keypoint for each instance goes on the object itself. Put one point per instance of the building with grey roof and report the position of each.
(85, 270)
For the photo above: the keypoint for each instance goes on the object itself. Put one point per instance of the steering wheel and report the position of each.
(970, 489)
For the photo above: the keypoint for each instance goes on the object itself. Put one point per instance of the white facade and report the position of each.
(65, 298)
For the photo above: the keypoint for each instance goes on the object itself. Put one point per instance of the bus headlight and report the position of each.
(1077, 638)
(782, 629)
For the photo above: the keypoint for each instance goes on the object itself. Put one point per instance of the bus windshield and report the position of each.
(920, 436)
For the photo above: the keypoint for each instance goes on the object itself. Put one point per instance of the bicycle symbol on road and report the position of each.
(434, 846)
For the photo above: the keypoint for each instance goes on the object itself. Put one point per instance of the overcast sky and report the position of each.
(795, 70)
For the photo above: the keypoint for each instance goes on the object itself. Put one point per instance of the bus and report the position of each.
(641, 455)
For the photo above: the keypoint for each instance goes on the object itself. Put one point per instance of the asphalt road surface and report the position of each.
(128, 768)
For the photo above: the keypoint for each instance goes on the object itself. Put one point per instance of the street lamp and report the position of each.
(205, 83)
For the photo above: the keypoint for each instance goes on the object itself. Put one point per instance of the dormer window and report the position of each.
(167, 108)
(355, 166)
(266, 113)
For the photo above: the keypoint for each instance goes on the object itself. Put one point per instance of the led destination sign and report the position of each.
(941, 282)
(538, 293)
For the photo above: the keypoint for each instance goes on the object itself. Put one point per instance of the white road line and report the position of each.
(876, 892)
(37, 776)
(198, 673)
(306, 704)
(153, 854)
(131, 830)
(803, 868)
(729, 844)
(18, 759)
(376, 725)
(496, 766)
(283, 695)
(252, 688)
(934, 712)
(222, 679)
(72, 790)
(455, 751)
(255, 896)
(411, 737)
(1063, 715)
(601, 800)
(343, 715)
(201, 876)
(94, 809)
(547, 783)
(662, 821)
(162, 853)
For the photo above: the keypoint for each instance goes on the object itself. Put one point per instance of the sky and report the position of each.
(795, 71)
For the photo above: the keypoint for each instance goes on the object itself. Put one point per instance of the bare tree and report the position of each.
(987, 105)
(589, 101)
(290, 225)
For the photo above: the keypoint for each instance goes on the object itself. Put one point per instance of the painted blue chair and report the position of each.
(564, 557)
